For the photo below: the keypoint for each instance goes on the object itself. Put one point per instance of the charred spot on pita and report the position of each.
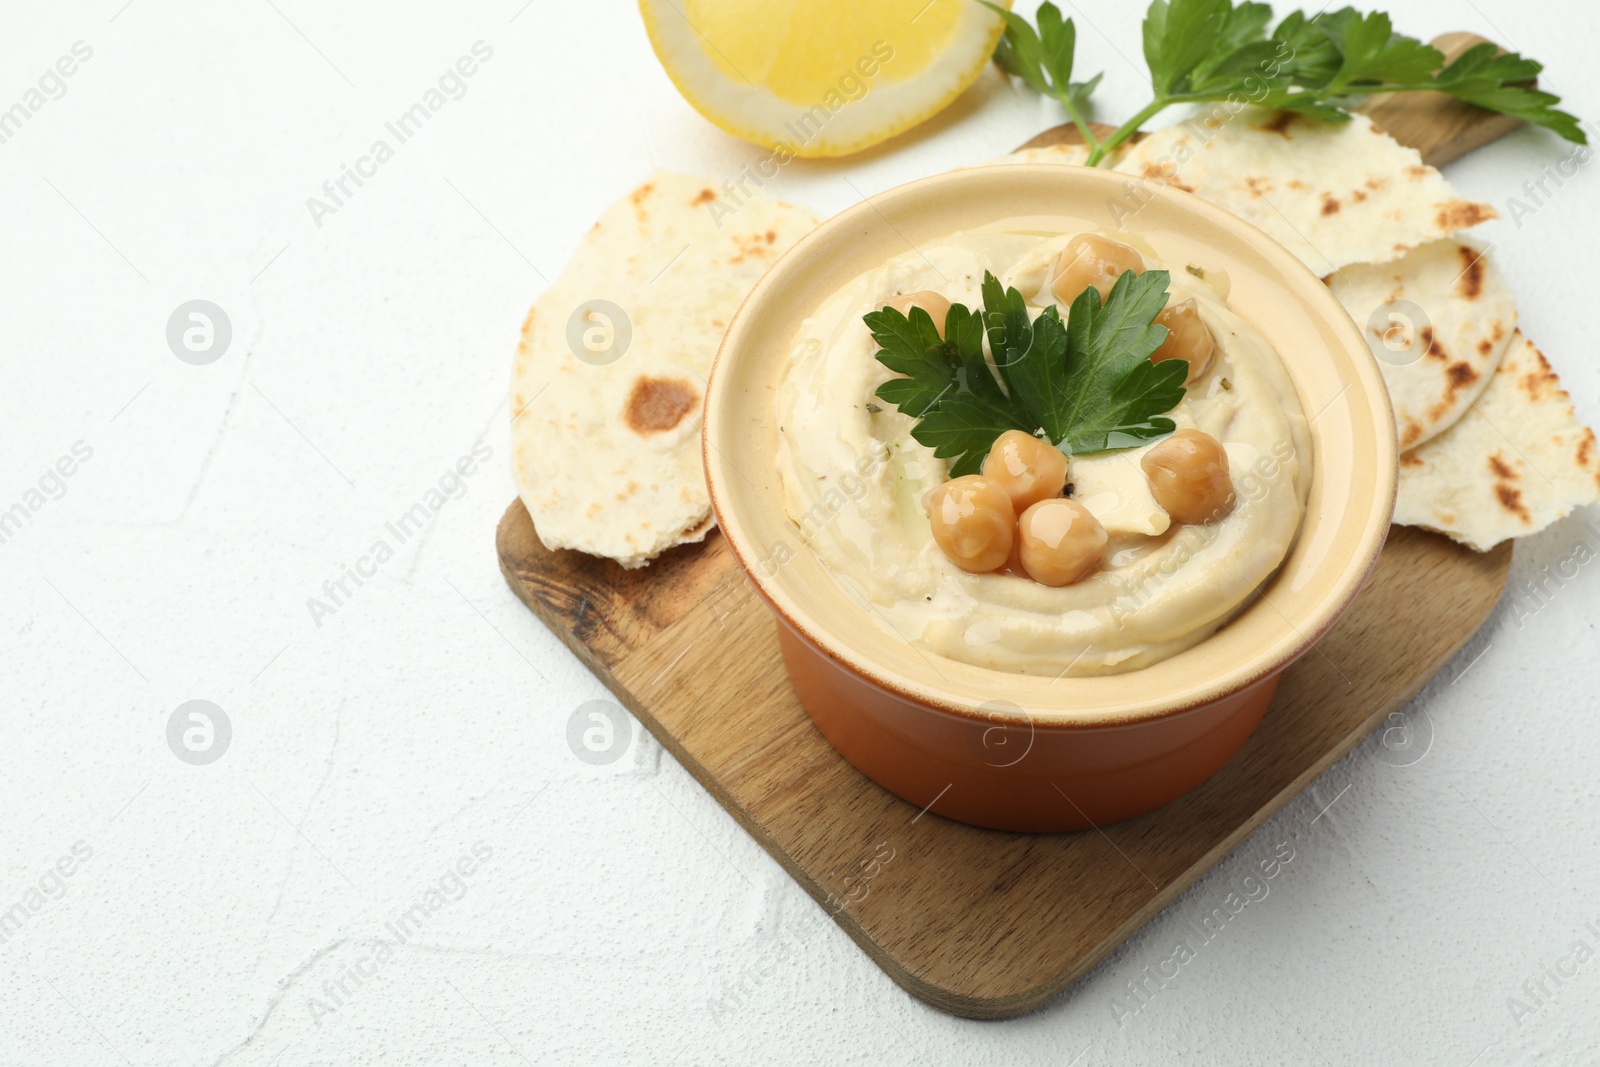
(1511, 499)
(1463, 215)
(1280, 123)
(656, 405)
(1470, 284)
(1430, 344)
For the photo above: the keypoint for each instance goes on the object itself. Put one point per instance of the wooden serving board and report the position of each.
(984, 923)
(977, 922)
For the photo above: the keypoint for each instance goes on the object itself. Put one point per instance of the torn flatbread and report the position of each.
(1332, 193)
(607, 384)
(1438, 320)
(1517, 461)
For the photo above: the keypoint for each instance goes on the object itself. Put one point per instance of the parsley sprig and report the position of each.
(1206, 51)
(1086, 384)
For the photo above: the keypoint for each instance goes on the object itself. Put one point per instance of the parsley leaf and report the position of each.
(1240, 49)
(1201, 51)
(1178, 35)
(1121, 390)
(1373, 54)
(1086, 384)
(1043, 60)
(1304, 54)
(1503, 83)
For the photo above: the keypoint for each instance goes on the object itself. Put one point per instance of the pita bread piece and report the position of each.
(1438, 319)
(1332, 193)
(607, 384)
(1516, 462)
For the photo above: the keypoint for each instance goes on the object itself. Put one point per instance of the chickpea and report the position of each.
(1188, 475)
(1090, 259)
(972, 521)
(1061, 541)
(1187, 338)
(1028, 469)
(935, 305)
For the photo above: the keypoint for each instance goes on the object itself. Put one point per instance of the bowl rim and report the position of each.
(1298, 284)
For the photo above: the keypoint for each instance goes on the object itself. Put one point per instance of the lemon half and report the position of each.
(821, 77)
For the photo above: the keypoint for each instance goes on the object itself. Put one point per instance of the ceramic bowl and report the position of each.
(1021, 752)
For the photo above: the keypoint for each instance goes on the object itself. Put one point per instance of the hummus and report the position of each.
(853, 480)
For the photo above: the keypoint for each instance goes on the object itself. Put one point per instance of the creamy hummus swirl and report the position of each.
(853, 480)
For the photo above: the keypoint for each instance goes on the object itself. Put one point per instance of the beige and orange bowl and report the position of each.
(1024, 752)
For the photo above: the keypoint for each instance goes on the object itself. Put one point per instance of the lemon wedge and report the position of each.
(820, 77)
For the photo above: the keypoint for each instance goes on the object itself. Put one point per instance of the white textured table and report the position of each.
(397, 857)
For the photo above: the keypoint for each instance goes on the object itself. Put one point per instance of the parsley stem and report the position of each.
(1079, 121)
(1129, 128)
(1161, 103)
(1362, 90)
